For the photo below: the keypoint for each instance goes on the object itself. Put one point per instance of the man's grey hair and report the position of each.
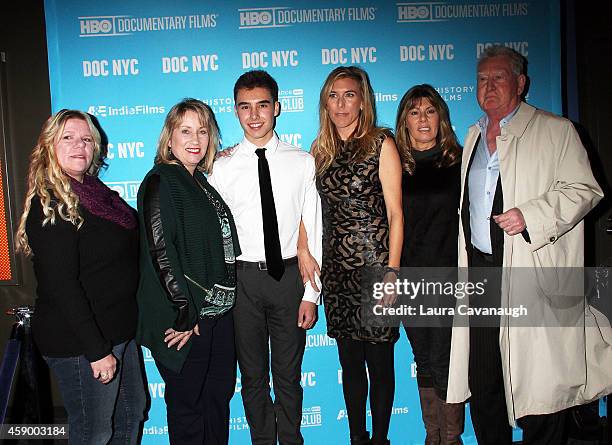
(517, 61)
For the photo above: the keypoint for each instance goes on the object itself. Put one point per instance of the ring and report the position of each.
(104, 375)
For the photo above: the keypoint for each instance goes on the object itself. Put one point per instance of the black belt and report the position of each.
(261, 265)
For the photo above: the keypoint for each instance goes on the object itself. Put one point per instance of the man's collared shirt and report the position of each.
(483, 176)
(292, 172)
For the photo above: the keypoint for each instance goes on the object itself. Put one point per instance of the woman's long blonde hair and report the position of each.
(328, 144)
(174, 119)
(47, 180)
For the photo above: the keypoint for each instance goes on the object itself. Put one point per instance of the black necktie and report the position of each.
(274, 259)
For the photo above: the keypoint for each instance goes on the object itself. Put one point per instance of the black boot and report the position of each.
(362, 439)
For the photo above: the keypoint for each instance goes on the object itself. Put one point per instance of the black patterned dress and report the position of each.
(355, 235)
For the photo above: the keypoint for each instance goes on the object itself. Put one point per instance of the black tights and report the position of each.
(354, 355)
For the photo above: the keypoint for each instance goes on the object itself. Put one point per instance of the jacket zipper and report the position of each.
(196, 283)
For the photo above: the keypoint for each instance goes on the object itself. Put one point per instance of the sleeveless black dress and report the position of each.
(355, 236)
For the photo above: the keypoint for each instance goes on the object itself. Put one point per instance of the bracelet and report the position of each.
(394, 270)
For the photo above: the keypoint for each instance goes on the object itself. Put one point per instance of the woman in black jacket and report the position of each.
(83, 240)
(431, 200)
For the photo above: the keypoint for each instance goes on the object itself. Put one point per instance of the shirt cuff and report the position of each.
(310, 294)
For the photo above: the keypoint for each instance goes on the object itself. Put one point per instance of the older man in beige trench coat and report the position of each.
(547, 188)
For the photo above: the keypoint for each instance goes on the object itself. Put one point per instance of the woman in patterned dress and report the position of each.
(359, 173)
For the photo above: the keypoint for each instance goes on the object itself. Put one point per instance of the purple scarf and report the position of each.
(103, 202)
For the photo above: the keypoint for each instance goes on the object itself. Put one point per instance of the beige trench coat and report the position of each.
(546, 174)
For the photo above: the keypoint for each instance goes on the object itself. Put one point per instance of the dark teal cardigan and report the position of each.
(194, 247)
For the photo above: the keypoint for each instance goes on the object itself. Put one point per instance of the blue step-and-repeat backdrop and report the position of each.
(128, 62)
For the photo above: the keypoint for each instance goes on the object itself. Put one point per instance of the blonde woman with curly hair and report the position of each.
(359, 173)
(83, 240)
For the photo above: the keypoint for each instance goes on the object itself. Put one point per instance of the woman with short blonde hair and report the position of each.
(188, 278)
(173, 119)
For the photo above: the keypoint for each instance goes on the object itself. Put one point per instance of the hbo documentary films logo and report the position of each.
(257, 18)
(99, 26)
(414, 12)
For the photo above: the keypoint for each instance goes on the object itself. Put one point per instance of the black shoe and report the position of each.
(362, 439)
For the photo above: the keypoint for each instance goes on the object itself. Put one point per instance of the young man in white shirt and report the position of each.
(273, 305)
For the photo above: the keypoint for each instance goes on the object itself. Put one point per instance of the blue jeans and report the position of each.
(99, 414)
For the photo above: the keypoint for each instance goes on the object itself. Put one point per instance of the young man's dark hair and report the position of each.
(257, 79)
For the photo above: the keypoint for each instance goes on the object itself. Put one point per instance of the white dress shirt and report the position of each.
(292, 172)
(483, 177)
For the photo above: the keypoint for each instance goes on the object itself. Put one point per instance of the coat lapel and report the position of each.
(468, 157)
